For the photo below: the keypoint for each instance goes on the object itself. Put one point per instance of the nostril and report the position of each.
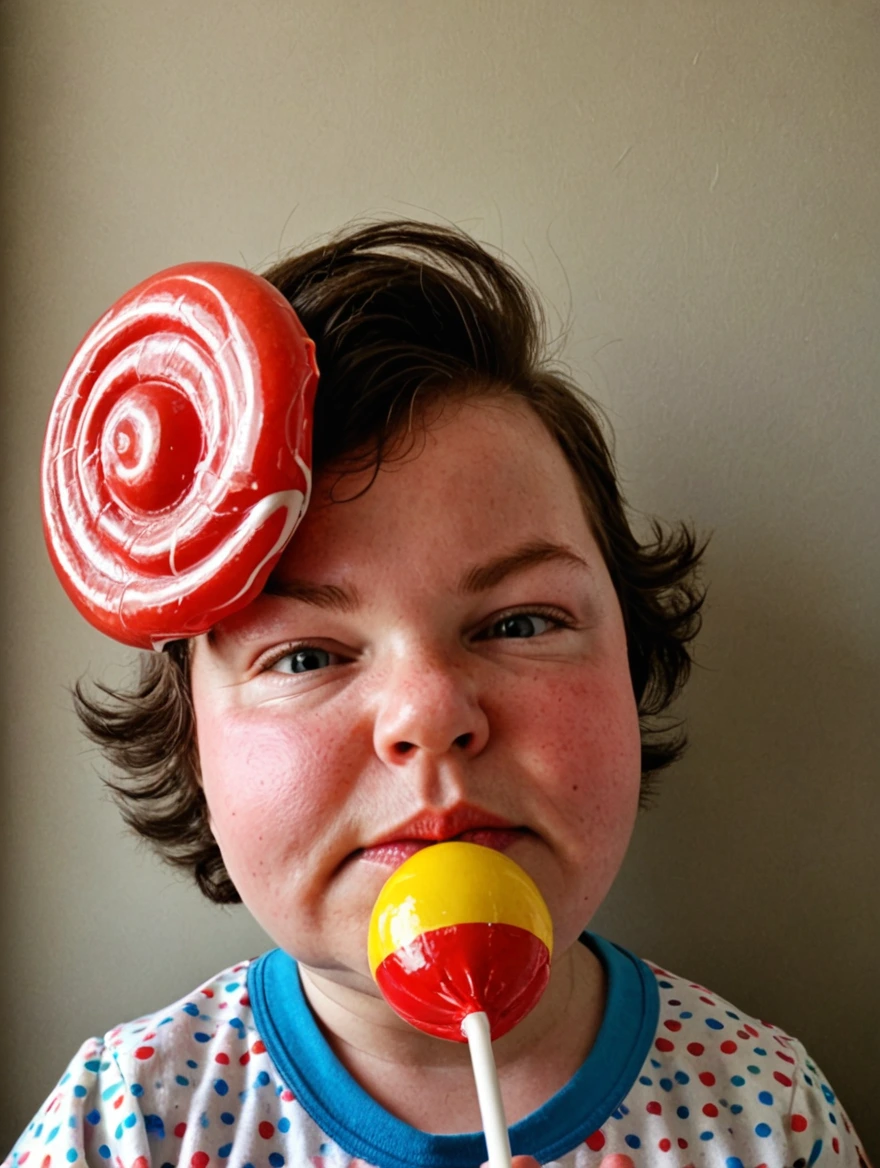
(464, 740)
(403, 747)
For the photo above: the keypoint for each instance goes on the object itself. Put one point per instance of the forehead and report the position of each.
(483, 471)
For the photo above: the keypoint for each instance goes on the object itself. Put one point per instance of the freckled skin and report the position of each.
(301, 770)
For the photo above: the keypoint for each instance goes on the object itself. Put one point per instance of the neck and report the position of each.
(428, 1082)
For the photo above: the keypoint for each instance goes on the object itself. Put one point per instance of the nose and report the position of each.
(429, 707)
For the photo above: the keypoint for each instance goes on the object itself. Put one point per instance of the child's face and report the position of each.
(446, 648)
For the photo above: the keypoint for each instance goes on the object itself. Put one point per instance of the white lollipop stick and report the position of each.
(475, 1028)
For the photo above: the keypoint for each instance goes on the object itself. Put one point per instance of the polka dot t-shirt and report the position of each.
(238, 1075)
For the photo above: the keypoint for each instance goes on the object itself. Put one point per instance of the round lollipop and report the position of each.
(176, 464)
(460, 943)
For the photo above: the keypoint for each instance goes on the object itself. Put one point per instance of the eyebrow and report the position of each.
(479, 578)
(329, 596)
(482, 577)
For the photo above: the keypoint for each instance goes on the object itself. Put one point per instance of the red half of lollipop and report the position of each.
(177, 458)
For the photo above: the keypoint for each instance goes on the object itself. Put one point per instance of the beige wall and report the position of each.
(694, 185)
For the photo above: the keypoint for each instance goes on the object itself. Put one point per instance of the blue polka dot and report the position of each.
(633, 1142)
(92, 1065)
(666, 1084)
(93, 1116)
(714, 1024)
(682, 1112)
(71, 1155)
(80, 1091)
(136, 1090)
(155, 1125)
(284, 1124)
(686, 1014)
(181, 1080)
(832, 1117)
(735, 1108)
(808, 1080)
(707, 1135)
(738, 1081)
(227, 1117)
(104, 1152)
(130, 1120)
(731, 1014)
(763, 1129)
(276, 1159)
(759, 1050)
(262, 1079)
(665, 985)
(119, 1131)
(237, 1023)
(815, 1154)
(52, 1134)
(221, 1086)
(192, 1064)
(191, 1009)
(645, 1081)
(765, 1097)
(200, 1036)
(733, 1162)
(753, 1070)
(682, 1077)
(233, 985)
(828, 1093)
(224, 1151)
(71, 1122)
(655, 1064)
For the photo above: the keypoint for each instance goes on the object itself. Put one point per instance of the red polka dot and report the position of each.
(23, 1157)
(222, 1057)
(208, 993)
(266, 1130)
(654, 1108)
(200, 1160)
(682, 1143)
(596, 1141)
(752, 1030)
(144, 1052)
(665, 1045)
(141, 1162)
(728, 1047)
(665, 1145)
(47, 1160)
(707, 1078)
(709, 1002)
(798, 1122)
(180, 1130)
(258, 1047)
(287, 1096)
(118, 1102)
(696, 1049)
(245, 1058)
(671, 1024)
(783, 1079)
(787, 1057)
(835, 1144)
(710, 1109)
(244, 1000)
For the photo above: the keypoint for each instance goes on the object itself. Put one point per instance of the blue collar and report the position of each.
(359, 1125)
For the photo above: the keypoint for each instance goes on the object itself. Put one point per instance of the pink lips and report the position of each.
(470, 824)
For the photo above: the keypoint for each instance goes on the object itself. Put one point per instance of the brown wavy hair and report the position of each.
(405, 315)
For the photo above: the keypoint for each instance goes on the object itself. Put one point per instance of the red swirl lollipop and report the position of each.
(177, 458)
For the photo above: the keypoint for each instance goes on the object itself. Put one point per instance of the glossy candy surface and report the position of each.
(176, 464)
(458, 928)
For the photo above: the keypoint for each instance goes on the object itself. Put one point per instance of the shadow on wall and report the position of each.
(757, 871)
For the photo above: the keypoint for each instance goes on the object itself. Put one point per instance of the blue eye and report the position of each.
(304, 661)
(521, 624)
